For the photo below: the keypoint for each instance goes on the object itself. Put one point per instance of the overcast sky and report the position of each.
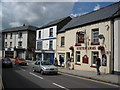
(40, 13)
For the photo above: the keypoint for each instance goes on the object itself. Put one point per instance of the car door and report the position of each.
(36, 65)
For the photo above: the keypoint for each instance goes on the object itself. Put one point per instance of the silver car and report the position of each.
(45, 67)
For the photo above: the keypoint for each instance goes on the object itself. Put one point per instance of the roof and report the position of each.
(55, 22)
(21, 28)
(98, 15)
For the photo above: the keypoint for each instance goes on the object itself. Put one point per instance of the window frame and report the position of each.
(51, 32)
(39, 34)
(94, 59)
(62, 41)
(20, 44)
(50, 44)
(95, 38)
(77, 57)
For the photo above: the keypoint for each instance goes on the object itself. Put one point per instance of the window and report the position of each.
(20, 35)
(51, 32)
(78, 57)
(94, 54)
(39, 34)
(5, 44)
(10, 44)
(62, 41)
(10, 35)
(20, 43)
(39, 45)
(79, 37)
(51, 45)
(95, 38)
(6, 35)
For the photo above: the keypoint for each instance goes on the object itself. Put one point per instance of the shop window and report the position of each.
(104, 60)
(94, 54)
(62, 41)
(51, 32)
(95, 38)
(78, 57)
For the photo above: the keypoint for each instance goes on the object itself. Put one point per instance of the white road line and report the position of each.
(22, 69)
(35, 75)
(60, 86)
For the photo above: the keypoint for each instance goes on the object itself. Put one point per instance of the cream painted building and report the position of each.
(87, 36)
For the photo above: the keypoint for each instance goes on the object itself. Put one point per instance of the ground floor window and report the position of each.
(46, 56)
(39, 56)
(94, 54)
(78, 56)
(9, 54)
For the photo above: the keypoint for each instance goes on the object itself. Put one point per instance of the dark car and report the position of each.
(6, 62)
(20, 62)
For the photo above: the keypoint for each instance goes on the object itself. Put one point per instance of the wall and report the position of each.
(116, 44)
(45, 37)
(70, 40)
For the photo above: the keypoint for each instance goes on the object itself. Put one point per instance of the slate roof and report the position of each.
(98, 15)
(55, 22)
(21, 28)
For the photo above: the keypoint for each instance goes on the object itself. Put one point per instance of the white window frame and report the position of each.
(94, 64)
(77, 56)
(95, 34)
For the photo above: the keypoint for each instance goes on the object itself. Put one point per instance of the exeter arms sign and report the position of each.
(84, 48)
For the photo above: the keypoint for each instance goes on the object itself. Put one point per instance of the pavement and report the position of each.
(109, 78)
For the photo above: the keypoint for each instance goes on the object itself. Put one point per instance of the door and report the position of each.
(52, 58)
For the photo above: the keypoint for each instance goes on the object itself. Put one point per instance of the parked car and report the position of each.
(6, 62)
(45, 67)
(20, 62)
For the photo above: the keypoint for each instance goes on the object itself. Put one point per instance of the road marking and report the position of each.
(60, 86)
(92, 80)
(35, 75)
(22, 69)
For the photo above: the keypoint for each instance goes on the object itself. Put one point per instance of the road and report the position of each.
(24, 77)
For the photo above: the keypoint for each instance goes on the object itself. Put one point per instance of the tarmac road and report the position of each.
(24, 77)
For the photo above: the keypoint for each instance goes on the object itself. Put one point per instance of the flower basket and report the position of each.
(101, 48)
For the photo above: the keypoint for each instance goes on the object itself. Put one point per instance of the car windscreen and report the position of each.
(6, 59)
(45, 63)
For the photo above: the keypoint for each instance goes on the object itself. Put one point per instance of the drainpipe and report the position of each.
(112, 45)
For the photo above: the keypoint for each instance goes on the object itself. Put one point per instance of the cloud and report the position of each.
(33, 13)
(79, 14)
(14, 24)
(96, 7)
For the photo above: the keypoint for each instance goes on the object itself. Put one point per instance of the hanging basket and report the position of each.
(71, 48)
(101, 48)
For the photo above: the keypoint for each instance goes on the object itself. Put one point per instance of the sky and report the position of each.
(15, 14)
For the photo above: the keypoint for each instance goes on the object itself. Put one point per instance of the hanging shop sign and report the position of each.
(84, 48)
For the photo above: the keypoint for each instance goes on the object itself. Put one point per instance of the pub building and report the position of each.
(89, 35)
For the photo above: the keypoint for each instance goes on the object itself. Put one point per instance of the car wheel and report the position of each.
(34, 70)
(41, 72)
